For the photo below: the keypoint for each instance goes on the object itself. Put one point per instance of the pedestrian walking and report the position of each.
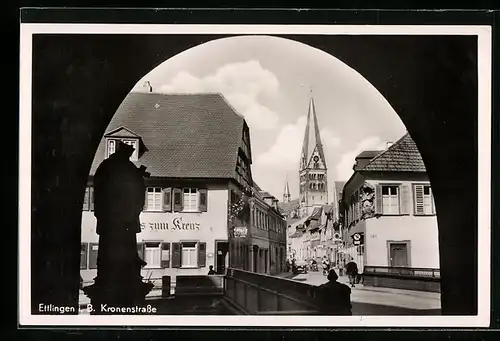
(352, 272)
(294, 266)
(333, 298)
(326, 265)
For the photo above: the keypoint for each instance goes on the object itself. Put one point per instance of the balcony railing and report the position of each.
(403, 272)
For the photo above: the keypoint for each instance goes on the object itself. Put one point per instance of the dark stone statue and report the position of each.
(119, 194)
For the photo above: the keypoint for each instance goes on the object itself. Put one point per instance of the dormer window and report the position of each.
(126, 136)
(113, 142)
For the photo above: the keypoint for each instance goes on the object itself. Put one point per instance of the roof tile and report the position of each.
(402, 156)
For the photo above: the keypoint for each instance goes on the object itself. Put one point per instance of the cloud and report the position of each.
(329, 139)
(286, 150)
(344, 167)
(241, 84)
(283, 157)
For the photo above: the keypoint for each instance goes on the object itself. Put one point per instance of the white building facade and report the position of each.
(389, 215)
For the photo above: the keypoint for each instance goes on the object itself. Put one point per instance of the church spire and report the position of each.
(312, 139)
(313, 190)
(286, 192)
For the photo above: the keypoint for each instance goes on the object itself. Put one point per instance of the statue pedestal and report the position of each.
(126, 297)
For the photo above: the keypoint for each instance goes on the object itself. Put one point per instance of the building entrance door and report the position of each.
(220, 258)
(398, 254)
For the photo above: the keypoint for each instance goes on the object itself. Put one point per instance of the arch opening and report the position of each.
(426, 130)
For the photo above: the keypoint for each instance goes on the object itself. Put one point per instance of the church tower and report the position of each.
(313, 190)
(286, 193)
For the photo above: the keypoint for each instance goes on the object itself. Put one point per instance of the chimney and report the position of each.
(147, 86)
(389, 143)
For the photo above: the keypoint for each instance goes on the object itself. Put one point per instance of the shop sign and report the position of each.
(176, 224)
(356, 239)
(240, 232)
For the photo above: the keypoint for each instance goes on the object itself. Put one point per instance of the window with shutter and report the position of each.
(154, 199)
(167, 199)
(428, 200)
(176, 255)
(189, 255)
(152, 254)
(390, 200)
(190, 200)
(177, 200)
(203, 197)
(202, 254)
(419, 199)
(93, 255)
(378, 200)
(404, 198)
(83, 256)
(165, 255)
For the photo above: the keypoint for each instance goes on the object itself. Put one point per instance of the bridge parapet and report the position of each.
(259, 294)
(199, 285)
(419, 279)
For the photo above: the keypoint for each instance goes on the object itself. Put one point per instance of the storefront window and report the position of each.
(189, 255)
(152, 254)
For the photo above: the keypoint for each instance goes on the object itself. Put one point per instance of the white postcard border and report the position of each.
(484, 179)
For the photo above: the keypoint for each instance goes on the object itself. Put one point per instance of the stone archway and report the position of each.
(80, 80)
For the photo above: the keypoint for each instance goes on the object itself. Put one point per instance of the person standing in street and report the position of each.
(352, 272)
(332, 298)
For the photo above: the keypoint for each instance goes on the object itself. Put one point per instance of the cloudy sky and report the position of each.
(269, 81)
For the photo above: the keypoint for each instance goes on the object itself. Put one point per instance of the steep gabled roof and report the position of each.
(186, 135)
(312, 139)
(402, 156)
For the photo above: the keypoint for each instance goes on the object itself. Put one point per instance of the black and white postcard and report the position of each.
(254, 175)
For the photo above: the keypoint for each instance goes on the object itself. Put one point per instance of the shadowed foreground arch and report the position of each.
(80, 80)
